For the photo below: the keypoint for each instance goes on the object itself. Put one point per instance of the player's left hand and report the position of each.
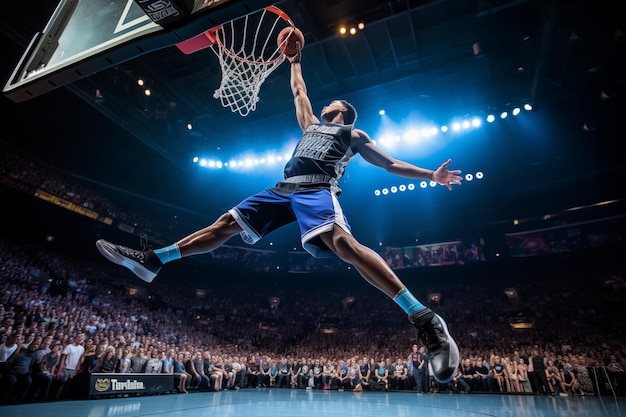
(445, 177)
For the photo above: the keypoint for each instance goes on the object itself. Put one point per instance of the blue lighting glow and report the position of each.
(399, 137)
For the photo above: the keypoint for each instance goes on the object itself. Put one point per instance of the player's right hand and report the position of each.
(296, 58)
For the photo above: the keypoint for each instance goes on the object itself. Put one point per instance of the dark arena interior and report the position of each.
(524, 259)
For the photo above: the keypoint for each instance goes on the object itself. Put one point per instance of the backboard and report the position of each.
(86, 36)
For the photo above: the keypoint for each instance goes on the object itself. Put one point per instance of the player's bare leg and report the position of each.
(442, 349)
(147, 263)
(209, 238)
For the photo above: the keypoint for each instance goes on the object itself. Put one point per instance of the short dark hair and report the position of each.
(349, 116)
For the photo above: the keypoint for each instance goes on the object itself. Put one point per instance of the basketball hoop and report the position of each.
(247, 52)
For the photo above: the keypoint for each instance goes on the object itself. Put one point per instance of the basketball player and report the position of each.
(308, 195)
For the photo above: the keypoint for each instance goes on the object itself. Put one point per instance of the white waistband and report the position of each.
(309, 178)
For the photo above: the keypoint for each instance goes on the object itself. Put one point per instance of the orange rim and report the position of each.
(272, 9)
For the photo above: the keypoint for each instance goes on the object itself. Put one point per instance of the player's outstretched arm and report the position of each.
(363, 144)
(304, 109)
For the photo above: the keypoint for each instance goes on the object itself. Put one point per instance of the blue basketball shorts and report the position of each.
(317, 210)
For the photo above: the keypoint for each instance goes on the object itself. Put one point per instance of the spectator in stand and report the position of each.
(613, 365)
(88, 363)
(167, 363)
(40, 369)
(138, 361)
(419, 369)
(582, 374)
(341, 379)
(422, 379)
(458, 384)
(9, 348)
(239, 370)
(353, 372)
(262, 376)
(195, 380)
(409, 368)
(28, 338)
(198, 365)
(294, 373)
(272, 373)
(44, 349)
(108, 361)
(328, 373)
(252, 372)
(306, 369)
(483, 378)
(571, 385)
(16, 379)
(364, 374)
(244, 361)
(539, 372)
(180, 374)
(400, 376)
(427, 372)
(522, 376)
(154, 363)
(468, 372)
(283, 373)
(318, 370)
(553, 376)
(382, 376)
(512, 382)
(499, 373)
(229, 373)
(68, 366)
(191, 368)
(223, 365)
(125, 361)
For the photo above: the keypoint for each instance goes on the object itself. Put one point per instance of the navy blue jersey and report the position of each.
(324, 150)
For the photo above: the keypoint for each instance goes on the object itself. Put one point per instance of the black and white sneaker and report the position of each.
(443, 352)
(143, 263)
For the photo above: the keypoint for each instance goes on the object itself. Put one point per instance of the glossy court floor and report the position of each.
(285, 402)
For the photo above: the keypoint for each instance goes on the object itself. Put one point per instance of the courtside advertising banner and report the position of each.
(110, 384)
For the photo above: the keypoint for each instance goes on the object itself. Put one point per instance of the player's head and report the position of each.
(349, 112)
(339, 106)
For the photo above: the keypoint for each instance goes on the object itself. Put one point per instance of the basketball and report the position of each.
(287, 39)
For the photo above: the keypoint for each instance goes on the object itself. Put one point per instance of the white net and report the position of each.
(248, 54)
